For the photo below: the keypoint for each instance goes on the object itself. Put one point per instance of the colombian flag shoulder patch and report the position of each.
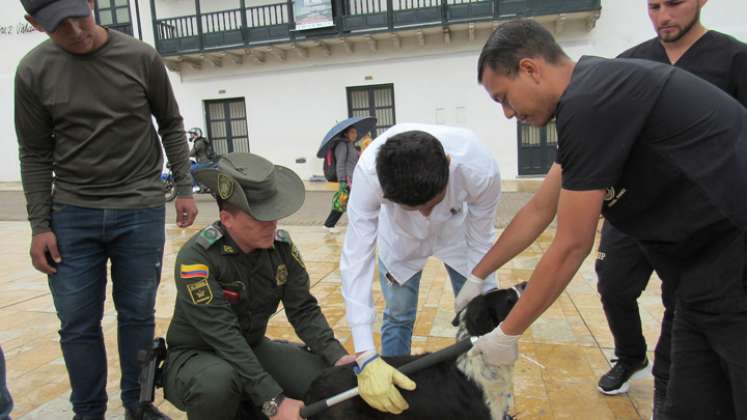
(194, 271)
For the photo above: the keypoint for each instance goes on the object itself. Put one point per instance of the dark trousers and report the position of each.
(333, 218)
(132, 240)
(623, 272)
(6, 402)
(709, 367)
(208, 388)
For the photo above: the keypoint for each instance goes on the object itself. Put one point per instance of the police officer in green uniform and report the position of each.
(230, 279)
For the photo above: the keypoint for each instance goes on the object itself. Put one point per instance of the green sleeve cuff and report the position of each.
(334, 352)
(40, 227)
(265, 390)
(184, 190)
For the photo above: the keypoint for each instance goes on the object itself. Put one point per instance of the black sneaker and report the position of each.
(617, 380)
(144, 412)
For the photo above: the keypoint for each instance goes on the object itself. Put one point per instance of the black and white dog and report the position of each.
(459, 388)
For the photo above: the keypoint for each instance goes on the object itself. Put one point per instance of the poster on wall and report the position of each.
(312, 14)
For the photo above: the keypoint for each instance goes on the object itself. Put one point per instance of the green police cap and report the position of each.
(253, 184)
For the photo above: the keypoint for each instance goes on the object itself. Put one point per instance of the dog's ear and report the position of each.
(479, 318)
(455, 321)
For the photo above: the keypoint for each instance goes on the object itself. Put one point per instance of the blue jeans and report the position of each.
(401, 309)
(6, 403)
(132, 240)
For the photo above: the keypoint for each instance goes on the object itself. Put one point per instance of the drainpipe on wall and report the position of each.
(139, 24)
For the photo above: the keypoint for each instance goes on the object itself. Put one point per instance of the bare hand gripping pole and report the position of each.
(414, 366)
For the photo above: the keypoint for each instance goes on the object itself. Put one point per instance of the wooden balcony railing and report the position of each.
(273, 23)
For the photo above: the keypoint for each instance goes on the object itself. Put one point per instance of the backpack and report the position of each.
(330, 163)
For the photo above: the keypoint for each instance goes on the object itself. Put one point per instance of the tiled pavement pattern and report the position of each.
(565, 350)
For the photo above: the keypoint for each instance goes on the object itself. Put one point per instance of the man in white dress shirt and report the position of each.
(419, 191)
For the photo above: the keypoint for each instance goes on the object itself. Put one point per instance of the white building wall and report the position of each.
(13, 46)
(291, 104)
(290, 108)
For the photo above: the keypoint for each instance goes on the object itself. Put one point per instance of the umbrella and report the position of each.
(362, 124)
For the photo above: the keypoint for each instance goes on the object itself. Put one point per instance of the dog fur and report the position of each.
(463, 387)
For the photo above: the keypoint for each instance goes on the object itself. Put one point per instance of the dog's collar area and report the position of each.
(517, 290)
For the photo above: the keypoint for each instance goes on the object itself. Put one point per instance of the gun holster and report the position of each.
(151, 369)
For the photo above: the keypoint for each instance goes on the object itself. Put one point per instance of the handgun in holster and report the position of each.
(151, 369)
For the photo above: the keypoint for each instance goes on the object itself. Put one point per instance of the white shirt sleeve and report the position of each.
(481, 215)
(358, 258)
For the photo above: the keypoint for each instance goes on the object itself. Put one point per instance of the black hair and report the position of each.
(412, 168)
(513, 41)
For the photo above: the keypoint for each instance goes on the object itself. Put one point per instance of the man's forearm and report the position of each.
(34, 129)
(177, 153)
(170, 126)
(523, 230)
(312, 327)
(363, 338)
(36, 178)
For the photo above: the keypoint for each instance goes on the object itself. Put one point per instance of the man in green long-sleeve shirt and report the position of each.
(230, 279)
(90, 165)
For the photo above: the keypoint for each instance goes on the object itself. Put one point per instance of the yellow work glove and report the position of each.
(376, 384)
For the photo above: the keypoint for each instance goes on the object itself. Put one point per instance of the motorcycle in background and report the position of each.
(167, 181)
(169, 186)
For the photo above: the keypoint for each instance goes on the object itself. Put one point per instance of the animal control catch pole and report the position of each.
(408, 368)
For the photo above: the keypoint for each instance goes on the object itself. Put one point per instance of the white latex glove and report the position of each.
(470, 290)
(497, 348)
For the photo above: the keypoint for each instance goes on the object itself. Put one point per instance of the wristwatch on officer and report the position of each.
(270, 407)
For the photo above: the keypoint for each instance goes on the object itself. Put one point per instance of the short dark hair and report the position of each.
(513, 41)
(412, 168)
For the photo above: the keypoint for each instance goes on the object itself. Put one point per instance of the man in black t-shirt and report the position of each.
(622, 268)
(662, 154)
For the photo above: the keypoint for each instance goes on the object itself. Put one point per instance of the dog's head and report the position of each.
(486, 311)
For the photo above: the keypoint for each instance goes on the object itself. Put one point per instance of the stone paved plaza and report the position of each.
(564, 352)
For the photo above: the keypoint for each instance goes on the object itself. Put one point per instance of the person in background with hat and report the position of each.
(230, 279)
(90, 166)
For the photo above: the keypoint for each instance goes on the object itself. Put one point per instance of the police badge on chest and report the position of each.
(281, 276)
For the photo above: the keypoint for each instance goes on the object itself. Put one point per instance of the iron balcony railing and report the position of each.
(123, 27)
(274, 23)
